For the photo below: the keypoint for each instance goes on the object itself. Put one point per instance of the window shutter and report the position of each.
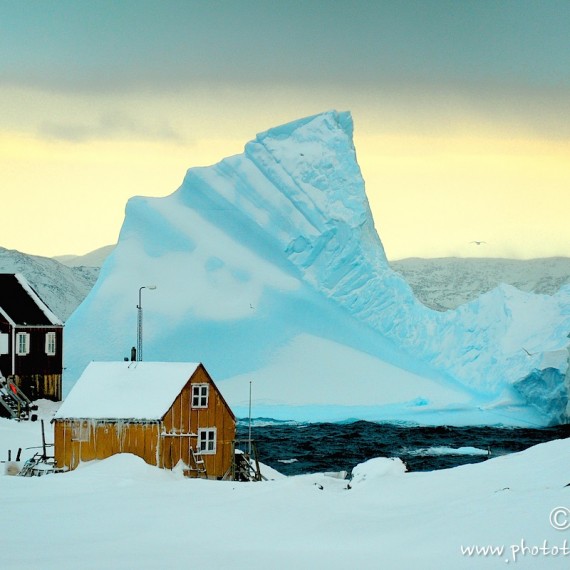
(4, 343)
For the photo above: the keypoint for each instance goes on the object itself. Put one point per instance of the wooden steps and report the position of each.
(14, 404)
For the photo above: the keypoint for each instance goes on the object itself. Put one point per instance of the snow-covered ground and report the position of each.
(91, 259)
(122, 513)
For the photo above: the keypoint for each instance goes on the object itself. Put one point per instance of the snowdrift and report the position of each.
(122, 513)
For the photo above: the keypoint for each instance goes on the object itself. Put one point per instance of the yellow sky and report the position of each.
(461, 112)
(433, 187)
(432, 196)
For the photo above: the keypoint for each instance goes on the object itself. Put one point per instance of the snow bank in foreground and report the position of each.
(121, 513)
(378, 468)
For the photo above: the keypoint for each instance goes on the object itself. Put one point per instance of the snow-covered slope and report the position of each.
(269, 269)
(446, 283)
(92, 259)
(62, 288)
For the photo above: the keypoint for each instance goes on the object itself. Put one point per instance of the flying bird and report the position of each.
(477, 242)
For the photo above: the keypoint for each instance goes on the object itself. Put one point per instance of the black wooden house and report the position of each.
(31, 340)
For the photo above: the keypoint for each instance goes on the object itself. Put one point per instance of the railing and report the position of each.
(14, 401)
(11, 413)
(244, 468)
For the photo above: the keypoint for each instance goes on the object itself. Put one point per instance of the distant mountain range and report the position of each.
(61, 287)
(447, 282)
(92, 259)
(440, 283)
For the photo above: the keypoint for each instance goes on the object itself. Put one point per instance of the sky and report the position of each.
(461, 111)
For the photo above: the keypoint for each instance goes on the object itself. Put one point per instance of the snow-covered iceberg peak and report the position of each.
(299, 187)
(269, 268)
(313, 163)
(300, 184)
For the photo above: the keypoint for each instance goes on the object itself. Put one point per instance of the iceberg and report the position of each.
(270, 271)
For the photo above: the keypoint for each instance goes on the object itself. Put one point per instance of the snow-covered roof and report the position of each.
(126, 390)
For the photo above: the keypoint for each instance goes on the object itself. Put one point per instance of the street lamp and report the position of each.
(140, 321)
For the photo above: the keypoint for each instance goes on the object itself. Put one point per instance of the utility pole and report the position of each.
(140, 322)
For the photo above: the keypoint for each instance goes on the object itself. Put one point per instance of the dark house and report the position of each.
(31, 339)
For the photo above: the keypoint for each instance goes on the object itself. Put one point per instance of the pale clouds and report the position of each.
(110, 125)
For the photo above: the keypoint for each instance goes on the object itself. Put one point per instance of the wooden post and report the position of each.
(249, 430)
(44, 456)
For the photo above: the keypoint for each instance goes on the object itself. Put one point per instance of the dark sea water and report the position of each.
(294, 449)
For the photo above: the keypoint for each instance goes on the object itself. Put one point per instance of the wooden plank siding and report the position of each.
(37, 374)
(37, 361)
(182, 422)
(163, 443)
(36, 386)
(104, 439)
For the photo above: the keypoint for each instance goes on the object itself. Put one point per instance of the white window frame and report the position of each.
(50, 343)
(22, 348)
(200, 395)
(207, 440)
(80, 431)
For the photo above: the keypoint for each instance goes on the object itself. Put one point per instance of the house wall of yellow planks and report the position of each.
(163, 443)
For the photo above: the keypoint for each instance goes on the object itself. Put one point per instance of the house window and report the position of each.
(80, 431)
(50, 343)
(207, 441)
(22, 344)
(4, 343)
(200, 395)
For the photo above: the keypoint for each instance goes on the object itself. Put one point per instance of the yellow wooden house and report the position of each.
(164, 412)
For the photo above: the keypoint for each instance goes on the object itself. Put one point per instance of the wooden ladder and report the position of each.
(199, 465)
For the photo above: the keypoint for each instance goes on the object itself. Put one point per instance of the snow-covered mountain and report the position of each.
(94, 258)
(269, 269)
(62, 288)
(446, 283)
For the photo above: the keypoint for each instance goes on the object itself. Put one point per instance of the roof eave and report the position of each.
(109, 420)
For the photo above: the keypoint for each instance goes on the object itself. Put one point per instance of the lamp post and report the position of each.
(140, 321)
